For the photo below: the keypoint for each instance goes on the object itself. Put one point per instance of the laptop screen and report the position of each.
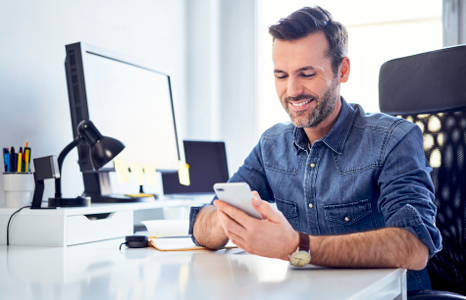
(207, 165)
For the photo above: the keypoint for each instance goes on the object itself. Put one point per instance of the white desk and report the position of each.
(100, 271)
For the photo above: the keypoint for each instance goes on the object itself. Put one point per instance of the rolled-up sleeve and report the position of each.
(192, 217)
(407, 192)
(252, 173)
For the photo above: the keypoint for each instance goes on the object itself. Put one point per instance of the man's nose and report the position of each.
(294, 88)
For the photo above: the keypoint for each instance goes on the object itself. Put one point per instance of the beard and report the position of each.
(324, 107)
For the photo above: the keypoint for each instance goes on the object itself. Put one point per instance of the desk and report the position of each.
(100, 271)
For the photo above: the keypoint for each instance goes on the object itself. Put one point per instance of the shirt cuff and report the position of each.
(192, 217)
(425, 230)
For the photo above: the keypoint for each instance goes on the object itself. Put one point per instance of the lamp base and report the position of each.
(70, 202)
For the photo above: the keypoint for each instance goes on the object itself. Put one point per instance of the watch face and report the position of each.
(300, 258)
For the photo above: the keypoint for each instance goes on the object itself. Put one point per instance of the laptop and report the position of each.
(208, 165)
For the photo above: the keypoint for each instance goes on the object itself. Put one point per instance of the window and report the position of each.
(378, 31)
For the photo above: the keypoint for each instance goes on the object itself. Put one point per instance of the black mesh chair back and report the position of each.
(429, 89)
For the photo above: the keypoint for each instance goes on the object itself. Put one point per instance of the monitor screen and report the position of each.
(207, 165)
(125, 100)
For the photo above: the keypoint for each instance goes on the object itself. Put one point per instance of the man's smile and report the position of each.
(301, 104)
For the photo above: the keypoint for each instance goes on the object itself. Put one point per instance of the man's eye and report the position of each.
(281, 76)
(308, 75)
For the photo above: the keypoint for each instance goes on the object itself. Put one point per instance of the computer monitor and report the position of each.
(126, 100)
(207, 165)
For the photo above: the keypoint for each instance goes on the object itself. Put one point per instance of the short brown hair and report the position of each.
(308, 20)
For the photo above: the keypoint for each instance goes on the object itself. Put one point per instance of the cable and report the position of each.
(8, 225)
(125, 243)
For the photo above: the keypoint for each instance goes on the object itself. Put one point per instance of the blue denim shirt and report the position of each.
(368, 172)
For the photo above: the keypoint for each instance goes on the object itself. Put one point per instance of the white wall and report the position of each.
(208, 46)
(33, 92)
(221, 86)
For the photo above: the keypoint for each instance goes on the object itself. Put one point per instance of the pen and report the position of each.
(8, 162)
(27, 158)
(5, 159)
(20, 160)
(23, 163)
(15, 162)
(30, 157)
(12, 159)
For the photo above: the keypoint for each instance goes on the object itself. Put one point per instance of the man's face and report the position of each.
(306, 85)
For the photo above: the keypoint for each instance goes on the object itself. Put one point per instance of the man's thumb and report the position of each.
(265, 209)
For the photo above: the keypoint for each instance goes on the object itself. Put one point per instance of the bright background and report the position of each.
(378, 31)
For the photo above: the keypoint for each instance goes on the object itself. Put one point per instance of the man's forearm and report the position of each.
(208, 230)
(383, 248)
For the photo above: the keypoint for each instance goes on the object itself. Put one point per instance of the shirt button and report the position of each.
(313, 165)
(310, 205)
(346, 219)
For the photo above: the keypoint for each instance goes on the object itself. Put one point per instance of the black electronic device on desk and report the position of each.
(208, 165)
(127, 100)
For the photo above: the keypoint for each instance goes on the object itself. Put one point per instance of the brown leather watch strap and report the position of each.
(303, 242)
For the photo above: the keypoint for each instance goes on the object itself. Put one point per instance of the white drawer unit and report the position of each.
(65, 226)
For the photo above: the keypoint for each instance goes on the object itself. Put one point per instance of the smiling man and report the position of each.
(353, 189)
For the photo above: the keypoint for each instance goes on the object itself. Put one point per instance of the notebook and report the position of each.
(172, 235)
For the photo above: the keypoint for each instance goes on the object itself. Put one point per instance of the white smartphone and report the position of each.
(237, 194)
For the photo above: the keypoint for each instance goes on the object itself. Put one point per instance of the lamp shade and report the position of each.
(103, 148)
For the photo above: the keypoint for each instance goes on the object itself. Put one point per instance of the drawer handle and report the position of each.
(94, 217)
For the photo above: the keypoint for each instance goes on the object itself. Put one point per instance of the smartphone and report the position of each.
(237, 194)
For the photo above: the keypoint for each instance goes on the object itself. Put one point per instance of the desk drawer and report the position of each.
(94, 227)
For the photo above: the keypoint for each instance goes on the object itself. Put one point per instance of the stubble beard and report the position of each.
(324, 108)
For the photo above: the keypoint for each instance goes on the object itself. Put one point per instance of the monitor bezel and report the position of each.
(78, 98)
(75, 63)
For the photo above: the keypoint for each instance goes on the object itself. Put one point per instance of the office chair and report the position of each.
(429, 89)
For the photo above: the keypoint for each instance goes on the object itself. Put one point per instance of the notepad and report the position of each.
(172, 235)
(122, 170)
(149, 172)
(183, 173)
(138, 174)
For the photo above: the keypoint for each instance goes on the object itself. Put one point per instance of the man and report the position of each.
(353, 188)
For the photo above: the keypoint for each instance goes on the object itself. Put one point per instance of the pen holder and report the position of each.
(18, 189)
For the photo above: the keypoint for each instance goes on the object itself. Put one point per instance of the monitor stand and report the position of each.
(97, 186)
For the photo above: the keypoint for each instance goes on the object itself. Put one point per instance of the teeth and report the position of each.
(300, 104)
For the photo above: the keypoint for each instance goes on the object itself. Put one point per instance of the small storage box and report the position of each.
(66, 226)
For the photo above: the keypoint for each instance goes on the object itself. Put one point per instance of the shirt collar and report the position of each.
(336, 138)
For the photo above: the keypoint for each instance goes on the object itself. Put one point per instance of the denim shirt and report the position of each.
(368, 172)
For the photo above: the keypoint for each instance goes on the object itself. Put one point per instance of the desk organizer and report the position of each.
(66, 226)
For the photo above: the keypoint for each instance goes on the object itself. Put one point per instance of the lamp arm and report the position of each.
(60, 160)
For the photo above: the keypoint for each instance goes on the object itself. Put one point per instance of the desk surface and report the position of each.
(100, 271)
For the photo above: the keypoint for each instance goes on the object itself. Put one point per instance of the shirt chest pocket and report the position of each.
(290, 211)
(356, 158)
(349, 217)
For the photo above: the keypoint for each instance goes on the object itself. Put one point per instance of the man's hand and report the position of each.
(271, 237)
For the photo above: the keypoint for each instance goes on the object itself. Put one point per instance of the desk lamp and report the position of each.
(102, 150)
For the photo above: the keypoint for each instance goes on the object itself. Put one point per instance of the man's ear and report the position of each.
(344, 69)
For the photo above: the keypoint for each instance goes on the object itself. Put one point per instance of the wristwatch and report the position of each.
(302, 255)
